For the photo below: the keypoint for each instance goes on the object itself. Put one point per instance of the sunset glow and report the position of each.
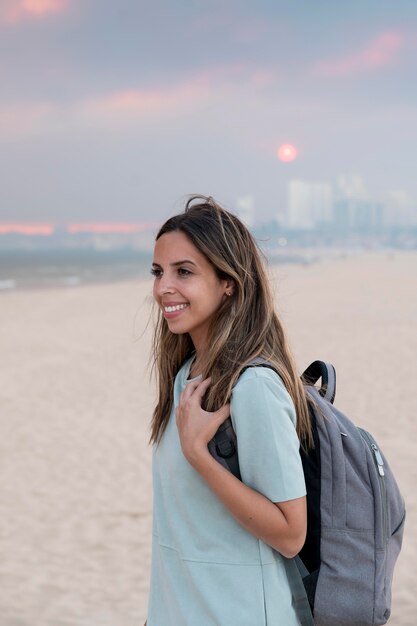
(18, 10)
(287, 152)
(27, 229)
(44, 229)
(122, 228)
(379, 53)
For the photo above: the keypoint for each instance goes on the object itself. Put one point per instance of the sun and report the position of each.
(287, 152)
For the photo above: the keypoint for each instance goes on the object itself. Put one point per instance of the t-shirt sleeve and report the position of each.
(263, 416)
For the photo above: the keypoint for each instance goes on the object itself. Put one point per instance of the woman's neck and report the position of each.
(200, 350)
(197, 366)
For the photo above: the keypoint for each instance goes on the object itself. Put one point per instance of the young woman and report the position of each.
(218, 542)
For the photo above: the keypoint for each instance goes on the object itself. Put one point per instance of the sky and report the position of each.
(118, 110)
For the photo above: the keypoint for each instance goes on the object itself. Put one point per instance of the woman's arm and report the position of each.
(282, 525)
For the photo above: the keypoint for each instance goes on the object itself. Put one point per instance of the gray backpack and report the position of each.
(356, 515)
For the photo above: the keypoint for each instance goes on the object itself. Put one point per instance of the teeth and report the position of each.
(177, 307)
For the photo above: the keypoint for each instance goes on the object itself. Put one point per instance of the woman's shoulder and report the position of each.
(263, 388)
(260, 375)
(261, 380)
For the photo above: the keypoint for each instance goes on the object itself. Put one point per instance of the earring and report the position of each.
(228, 293)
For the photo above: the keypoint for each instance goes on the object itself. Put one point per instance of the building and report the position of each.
(309, 205)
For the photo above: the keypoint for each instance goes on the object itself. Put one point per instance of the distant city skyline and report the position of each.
(309, 204)
(345, 205)
(116, 112)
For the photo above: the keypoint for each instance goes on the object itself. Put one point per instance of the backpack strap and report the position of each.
(327, 373)
(223, 447)
(299, 596)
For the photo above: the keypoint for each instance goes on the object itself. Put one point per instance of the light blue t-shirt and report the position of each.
(207, 570)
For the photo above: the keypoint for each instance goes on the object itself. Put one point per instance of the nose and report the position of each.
(163, 285)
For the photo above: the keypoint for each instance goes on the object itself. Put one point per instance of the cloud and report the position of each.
(14, 11)
(9, 228)
(118, 108)
(115, 108)
(212, 82)
(20, 118)
(123, 107)
(138, 101)
(121, 228)
(380, 53)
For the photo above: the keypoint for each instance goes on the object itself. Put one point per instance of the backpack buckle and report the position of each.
(225, 449)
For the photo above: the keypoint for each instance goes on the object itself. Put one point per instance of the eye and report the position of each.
(156, 271)
(182, 271)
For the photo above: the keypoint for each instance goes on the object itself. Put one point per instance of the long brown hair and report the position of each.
(244, 327)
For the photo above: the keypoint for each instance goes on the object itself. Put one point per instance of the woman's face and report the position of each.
(186, 287)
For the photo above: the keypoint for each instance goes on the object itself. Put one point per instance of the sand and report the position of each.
(75, 403)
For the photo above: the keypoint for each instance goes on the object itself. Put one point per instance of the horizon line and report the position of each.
(47, 229)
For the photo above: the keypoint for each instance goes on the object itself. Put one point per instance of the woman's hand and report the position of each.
(195, 426)
(283, 524)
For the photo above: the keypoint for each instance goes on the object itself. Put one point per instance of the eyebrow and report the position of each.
(177, 263)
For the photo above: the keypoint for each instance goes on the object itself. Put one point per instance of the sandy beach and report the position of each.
(75, 405)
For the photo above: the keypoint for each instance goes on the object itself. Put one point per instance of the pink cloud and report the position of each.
(19, 118)
(15, 11)
(48, 229)
(118, 107)
(134, 105)
(380, 53)
(27, 229)
(139, 102)
(207, 83)
(133, 100)
(122, 228)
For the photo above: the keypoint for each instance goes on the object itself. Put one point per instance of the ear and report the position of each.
(229, 287)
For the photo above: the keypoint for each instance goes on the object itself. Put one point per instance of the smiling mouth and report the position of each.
(176, 307)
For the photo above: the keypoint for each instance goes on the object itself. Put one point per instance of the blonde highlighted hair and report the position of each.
(244, 327)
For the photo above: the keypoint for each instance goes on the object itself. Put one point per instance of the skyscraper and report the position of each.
(309, 204)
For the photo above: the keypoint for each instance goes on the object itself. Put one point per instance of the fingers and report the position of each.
(223, 413)
(224, 410)
(191, 397)
(194, 386)
(202, 387)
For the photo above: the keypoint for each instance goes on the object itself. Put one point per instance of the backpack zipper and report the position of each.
(379, 462)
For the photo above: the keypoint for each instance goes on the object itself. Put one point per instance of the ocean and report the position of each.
(68, 268)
